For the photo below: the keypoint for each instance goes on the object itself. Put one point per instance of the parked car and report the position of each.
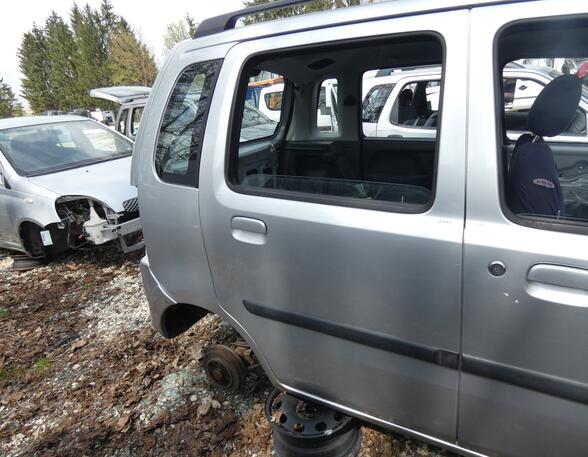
(64, 184)
(386, 114)
(132, 100)
(408, 282)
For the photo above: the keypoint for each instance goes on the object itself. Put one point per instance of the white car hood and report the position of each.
(108, 182)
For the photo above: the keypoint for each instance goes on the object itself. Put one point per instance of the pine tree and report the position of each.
(34, 67)
(60, 50)
(91, 53)
(60, 63)
(7, 100)
(129, 61)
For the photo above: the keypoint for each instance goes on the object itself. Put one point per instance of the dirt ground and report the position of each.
(82, 373)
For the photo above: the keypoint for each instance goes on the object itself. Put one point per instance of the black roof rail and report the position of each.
(228, 21)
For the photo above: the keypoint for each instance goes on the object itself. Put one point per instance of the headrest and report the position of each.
(555, 106)
(405, 97)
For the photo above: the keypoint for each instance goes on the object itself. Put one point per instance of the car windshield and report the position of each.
(48, 148)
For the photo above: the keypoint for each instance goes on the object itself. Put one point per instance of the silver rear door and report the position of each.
(361, 307)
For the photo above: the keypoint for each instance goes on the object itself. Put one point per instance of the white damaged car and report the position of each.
(64, 184)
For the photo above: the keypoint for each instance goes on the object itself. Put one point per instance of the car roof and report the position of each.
(27, 121)
(217, 30)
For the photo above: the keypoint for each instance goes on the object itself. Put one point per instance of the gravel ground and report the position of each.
(82, 373)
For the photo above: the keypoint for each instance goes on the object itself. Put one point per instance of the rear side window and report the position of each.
(136, 120)
(177, 157)
(316, 154)
(327, 109)
(122, 122)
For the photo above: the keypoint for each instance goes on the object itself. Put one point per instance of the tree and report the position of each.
(19, 110)
(91, 52)
(34, 66)
(129, 60)
(61, 62)
(60, 48)
(7, 100)
(316, 5)
(178, 31)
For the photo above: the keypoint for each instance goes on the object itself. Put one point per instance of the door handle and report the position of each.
(249, 230)
(558, 283)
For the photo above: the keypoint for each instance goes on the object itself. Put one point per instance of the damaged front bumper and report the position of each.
(106, 231)
(85, 220)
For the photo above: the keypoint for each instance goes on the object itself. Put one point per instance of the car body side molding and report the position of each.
(520, 377)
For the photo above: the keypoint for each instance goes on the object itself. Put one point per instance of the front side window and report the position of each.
(49, 148)
(324, 161)
(520, 94)
(177, 156)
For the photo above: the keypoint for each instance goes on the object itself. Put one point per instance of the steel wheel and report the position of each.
(304, 429)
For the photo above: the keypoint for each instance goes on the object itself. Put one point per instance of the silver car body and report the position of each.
(33, 199)
(391, 317)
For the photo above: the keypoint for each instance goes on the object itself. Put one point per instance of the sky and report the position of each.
(148, 18)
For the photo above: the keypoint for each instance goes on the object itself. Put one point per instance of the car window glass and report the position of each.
(374, 102)
(52, 147)
(177, 156)
(416, 106)
(260, 121)
(136, 120)
(122, 122)
(307, 159)
(327, 110)
(545, 166)
(520, 94)
(101, 139)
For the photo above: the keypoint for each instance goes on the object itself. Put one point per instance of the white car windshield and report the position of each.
(48, 148)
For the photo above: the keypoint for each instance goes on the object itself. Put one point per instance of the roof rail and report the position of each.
(228, 21)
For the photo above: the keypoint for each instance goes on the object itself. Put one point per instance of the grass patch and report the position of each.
(42, 365)
(4, 313)
(9, 373)
(12, 372)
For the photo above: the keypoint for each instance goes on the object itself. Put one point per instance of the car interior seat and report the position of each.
(533, 185)
(406, 111)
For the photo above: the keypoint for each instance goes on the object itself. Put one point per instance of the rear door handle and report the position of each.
(559, 284)
(249, 230)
